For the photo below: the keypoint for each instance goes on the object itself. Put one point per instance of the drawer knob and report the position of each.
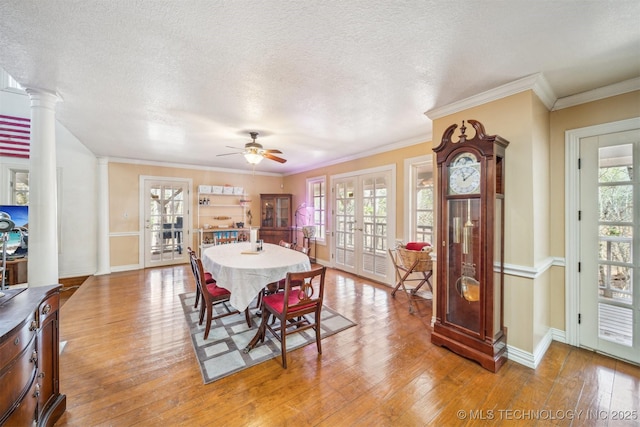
(46, 309)
(33, 326)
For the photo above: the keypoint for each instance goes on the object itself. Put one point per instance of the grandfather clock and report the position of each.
(471, 237)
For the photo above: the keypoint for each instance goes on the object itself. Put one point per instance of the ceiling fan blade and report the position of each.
(272, 157)
(273, 151)
(227, 154)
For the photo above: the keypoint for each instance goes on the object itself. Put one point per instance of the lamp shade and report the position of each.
(253, 157)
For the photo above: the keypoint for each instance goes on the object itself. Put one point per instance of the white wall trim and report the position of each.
(599, 93)
(129, 267)
(408, 191)
(419, 139)
(188, 166)
(572, 225)
(529, 272)
(125, 233)
(531, 360)
(535, 82)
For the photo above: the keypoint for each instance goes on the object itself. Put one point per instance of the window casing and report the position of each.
(419, 208)
(19, 187)
(317, 206)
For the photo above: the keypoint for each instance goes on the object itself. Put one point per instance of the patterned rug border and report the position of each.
(222, 353)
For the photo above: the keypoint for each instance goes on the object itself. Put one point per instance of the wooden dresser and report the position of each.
(29, 350)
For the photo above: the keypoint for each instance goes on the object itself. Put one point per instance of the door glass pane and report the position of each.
(615, 243)
(166, 213)
(345, 224)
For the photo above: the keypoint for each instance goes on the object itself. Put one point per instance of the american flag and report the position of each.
(15, 134)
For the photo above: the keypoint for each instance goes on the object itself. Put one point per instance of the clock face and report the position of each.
(464, 175)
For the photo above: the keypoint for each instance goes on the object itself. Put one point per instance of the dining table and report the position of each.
(245, 272)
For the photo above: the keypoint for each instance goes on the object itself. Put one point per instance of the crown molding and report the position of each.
(370, 152)
(186, 166)
(626, 86)
(535, 82)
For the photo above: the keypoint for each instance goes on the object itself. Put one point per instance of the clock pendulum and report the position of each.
(467, 285)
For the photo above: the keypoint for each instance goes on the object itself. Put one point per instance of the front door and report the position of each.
(363, 218)
(609, 287)
(166, 221)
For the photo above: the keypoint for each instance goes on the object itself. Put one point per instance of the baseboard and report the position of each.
(532, 360)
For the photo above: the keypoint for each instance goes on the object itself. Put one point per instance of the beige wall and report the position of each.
(607, 110)
(296, 184)
(520, 119)
(124, 202)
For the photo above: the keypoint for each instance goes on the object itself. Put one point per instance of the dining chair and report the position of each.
(303, 249)
(274, 286)
(213, 295)
(302, 297)
(285, 244)
(207, 276)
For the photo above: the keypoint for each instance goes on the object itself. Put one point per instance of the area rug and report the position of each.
(221, 354)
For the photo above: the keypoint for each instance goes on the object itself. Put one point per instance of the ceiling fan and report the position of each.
(254, 153)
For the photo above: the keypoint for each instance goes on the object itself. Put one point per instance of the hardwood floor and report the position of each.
(128, 360)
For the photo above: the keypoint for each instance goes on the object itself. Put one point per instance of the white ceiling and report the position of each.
(178, 81)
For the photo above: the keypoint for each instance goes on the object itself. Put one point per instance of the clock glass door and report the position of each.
(463, 285)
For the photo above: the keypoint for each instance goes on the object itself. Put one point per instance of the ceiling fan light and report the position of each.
(253, 158)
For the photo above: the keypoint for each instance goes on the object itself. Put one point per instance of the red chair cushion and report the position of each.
(208, 278)
(416, 246)
(276, 302)
(217, 291)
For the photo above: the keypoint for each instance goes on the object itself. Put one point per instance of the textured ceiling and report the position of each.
(178, 81)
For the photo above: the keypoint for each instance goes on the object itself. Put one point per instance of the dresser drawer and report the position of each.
(17, 341)
(47, 308)
(18, 376)
(25, 412)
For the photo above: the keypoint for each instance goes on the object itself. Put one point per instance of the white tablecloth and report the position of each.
(245, 275)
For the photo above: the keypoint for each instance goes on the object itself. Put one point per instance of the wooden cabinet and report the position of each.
(29, 351)
(275, 218)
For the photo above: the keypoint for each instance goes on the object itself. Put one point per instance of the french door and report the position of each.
(364, 223)
(609, 288)
(166, 221)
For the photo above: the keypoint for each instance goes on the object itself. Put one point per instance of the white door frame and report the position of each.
(187, 224)
(391, 210)
(572, 225)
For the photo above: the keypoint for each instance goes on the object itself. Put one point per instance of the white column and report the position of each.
(43, 191)
(104, 260)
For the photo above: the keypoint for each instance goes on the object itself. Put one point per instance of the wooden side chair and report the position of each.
(274, 286)
(213, 295)
(302, 297)
(285, 244)
(207, 276)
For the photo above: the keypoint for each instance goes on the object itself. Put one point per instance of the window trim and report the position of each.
(410, 165)
(322, 179)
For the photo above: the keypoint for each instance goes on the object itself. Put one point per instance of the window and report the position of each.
(419, 216)
(317, 206)
(19, 187)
